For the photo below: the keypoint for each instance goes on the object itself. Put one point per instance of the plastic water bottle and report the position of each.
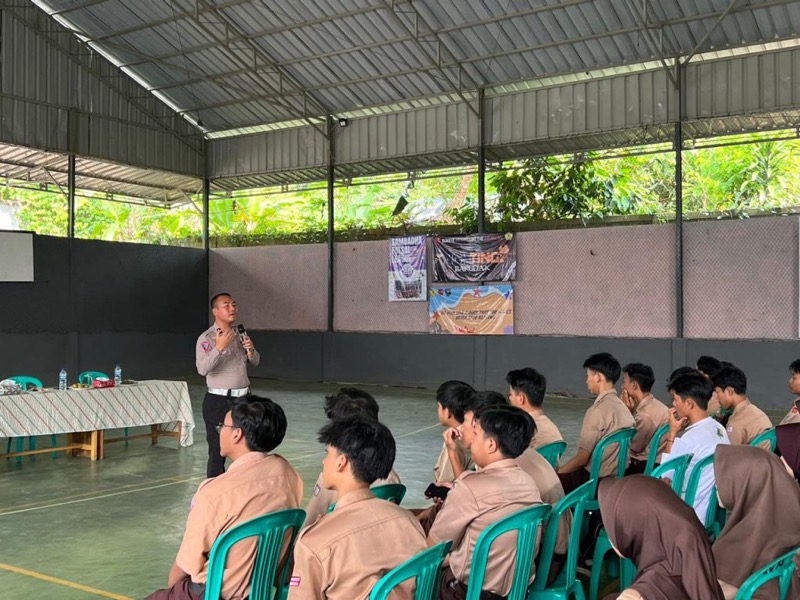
(62, 380)
(117, 375)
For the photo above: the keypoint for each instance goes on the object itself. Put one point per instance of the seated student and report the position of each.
(255, 483)
(346, 404)
(526, 391)
(747, 420)
(482, 497)
(647, 523)
(708, 365)
(788, 448)
(793, 416)
(648, 413)
(606, 415)
(455, 456)
(701, 436)
(345, 552)
(764, 518)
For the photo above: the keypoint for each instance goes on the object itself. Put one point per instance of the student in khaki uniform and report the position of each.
(450, 400)
(346, 404)
(478, 499)
(526, 389)
(256, 483)
(343, 554)
(793, 416)
(648, 413)
(747, 420)
(606, 415)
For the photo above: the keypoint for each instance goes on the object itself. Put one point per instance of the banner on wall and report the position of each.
(486, 257)
(481, 310)
(408, 266)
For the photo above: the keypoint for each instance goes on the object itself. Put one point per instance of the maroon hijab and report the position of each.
(789, 446)
(764, 519)
(648, 523)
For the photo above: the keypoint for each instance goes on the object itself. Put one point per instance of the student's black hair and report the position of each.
(262, 421)
(478, 401)
(603, 363)
(730, 377)
(694, 385)
(641, 374)
(708, 365)
(452, 395)
(367, 443)
(213, 301)
(350, 402)
(680, 371)
(511, 427)
(530, 382)
(795, 366)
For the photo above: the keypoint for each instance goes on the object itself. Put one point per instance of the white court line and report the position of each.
(417, 431)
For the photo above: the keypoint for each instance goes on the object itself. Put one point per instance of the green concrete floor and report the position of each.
(72, 529)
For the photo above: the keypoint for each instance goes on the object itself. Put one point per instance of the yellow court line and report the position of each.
(64, 582)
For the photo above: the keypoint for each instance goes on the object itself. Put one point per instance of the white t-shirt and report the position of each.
(700, 440)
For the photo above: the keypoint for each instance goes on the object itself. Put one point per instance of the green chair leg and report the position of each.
(601, 548)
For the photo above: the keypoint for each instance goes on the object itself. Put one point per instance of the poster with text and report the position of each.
(481, 310)
(484, 257)
(408, 265)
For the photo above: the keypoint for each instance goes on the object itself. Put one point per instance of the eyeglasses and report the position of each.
(221, 425)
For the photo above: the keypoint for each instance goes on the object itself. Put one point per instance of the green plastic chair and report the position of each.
(425, 568)
(393, 492)
(566, 584)
(652, 456)
(622, 437)
(767, 436)
(88, 377)
(526, 523)
(27, 382)
(781, 568)
(271, 530)
(715, 517)
(552, 452)
(602, 549)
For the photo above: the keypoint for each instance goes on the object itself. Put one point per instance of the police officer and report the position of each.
(221, 356)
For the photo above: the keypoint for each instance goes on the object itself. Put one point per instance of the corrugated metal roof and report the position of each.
(238, 64)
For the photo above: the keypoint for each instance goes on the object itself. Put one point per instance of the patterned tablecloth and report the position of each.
(144, 403)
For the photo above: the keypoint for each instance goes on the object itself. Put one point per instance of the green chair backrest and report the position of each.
(26, 381)
(271, 530)
(526, 523)
(552, 452)
(767, 436)
(714, 520)
(393, 492)
(782, 567)
(424, 568)
(574, 501)
(88, 377)
(652, 456)
(622, 437)
(678, 467)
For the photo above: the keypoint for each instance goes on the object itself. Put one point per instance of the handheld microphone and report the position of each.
(243, 335)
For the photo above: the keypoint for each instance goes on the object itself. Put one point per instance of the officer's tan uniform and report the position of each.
(478, 499)
(322, 498)
(226, 369)
(343, 554)
(793, 416)
(746, 422)
(443, 471)
(254, 484)
(649, 416)
(546, 430)
(550, 489)
(606, 415)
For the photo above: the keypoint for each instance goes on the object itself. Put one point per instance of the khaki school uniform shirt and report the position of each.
(478, 499)
(546, 430)
(630, 594)
(443, 471)
(649, 416)
(714, 407)
(322, 498)
(606, 415)
(793, 416)
(343, 554)
(550, 489)
(746, 422)
(226, 369)
(253, 485)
